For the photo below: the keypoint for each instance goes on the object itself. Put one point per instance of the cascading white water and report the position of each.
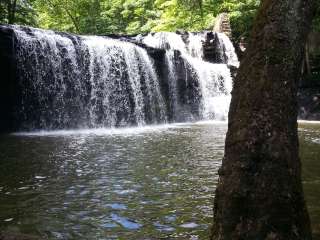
(169, 58)
(68, 81)
(195, 48)
(228, 49)
(107, 57)
(214, 79)
(105, 82)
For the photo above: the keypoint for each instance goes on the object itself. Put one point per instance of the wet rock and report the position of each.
(211, 48)
(309, 103)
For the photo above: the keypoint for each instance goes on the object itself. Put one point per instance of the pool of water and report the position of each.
(142, 183)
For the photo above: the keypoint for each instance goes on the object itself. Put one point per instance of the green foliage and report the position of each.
(131, 16)
(18, 12)
(128, 16)
(80, 16)
(242, 14)
(192, 15)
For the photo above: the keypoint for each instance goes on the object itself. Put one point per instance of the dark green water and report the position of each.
(310, 157)
(151, 183)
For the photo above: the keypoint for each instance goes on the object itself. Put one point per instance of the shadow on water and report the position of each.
(137, 184)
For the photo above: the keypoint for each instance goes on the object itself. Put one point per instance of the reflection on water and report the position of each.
(310, 156)
(150, 183)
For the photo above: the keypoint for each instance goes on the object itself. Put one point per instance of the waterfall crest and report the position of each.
(69, 81)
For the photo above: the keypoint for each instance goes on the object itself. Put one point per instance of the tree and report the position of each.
(11, 10)
(17, 12)
(190, 15)
(62, 15)
(259, 194)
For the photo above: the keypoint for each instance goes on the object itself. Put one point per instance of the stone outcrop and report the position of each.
(222, 24)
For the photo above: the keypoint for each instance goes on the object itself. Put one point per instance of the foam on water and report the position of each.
(120, 131)
(102, 131)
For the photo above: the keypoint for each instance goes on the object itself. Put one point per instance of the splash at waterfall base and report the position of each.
(57, 80)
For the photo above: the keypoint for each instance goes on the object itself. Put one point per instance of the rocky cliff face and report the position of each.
(223, 25)
(8, 84)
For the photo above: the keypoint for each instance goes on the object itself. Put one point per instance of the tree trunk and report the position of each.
(259, 195)
(11, 9)
(73, 20)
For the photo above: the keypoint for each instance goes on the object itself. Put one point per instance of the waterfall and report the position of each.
(111, 61)
(214, 79)
(69, 81)
(85, 82)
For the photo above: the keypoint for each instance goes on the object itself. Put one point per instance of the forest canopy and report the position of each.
(126, 16)
(130, 16)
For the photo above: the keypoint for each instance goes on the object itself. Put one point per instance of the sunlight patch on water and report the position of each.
(189, 225)
(162, 227)
(316, 140)
(117, 206)
(126, 223)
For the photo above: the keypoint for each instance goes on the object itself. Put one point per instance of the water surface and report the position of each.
(149, 183)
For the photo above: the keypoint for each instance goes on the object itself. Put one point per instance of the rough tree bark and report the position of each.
(259, 195)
